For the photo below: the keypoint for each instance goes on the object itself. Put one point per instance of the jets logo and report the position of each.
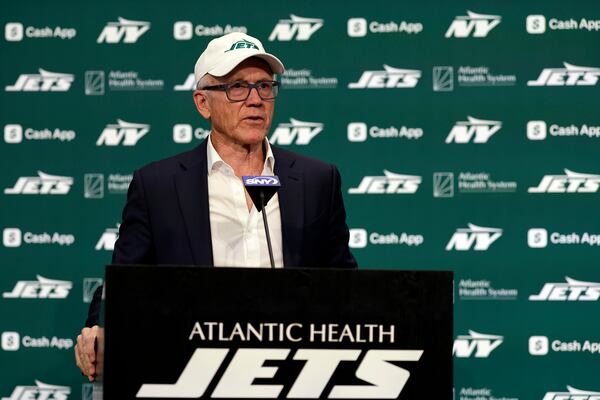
(570, 75)
(474, 237)
(472, 25)
(45, 81)
(389, 78)
(123, 31)
(384, 380)
(298, 28)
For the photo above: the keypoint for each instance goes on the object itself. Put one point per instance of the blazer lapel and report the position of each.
(291, 207)
(192, 191)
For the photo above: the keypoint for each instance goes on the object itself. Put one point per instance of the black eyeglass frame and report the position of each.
(225, 88)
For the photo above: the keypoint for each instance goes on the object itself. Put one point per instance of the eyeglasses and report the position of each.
(240, 91)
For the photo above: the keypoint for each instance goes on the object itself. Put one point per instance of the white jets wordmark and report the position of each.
(126, 31)
(390, 183)
(41, 184)
(472, 24)
(296, 27)
(384, 379)
(40, 391)
(570, 75)
(125, 133)
(43, 288)
(475, 130)
(300, 131)
(476, 237)
(476, 344)
(573, 290)
(45, 81)
(572, 394)
(571, 182)
(389, 78)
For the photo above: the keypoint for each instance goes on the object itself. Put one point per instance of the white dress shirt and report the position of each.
(238, 235)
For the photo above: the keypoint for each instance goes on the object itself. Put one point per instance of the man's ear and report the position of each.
(201, 101)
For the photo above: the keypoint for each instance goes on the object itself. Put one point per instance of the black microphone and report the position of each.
(261, 189)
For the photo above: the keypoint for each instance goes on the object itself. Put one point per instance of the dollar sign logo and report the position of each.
(357, 27)
(538, 345)
(13, 31)
(11, 237)
(536, 24)
(537, 238)
(182, 30)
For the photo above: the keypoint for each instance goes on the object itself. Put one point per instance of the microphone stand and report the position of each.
(264, 214)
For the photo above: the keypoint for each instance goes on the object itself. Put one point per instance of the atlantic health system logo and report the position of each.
(96, 82)
(469, 76)
(304, 78)
(469, 183)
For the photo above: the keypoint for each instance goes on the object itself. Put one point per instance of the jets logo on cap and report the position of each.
(243, 44)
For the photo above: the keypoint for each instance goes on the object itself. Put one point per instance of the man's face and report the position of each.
(243, 122)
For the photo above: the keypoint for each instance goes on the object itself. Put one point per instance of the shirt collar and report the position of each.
(215, 161)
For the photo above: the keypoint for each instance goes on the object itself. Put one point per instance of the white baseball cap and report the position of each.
(223, 54)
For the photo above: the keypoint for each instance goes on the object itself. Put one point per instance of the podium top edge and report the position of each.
(192, 267)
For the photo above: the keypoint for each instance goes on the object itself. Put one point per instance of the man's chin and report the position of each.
(252, 136)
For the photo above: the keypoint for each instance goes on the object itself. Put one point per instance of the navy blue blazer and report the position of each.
(166, 218)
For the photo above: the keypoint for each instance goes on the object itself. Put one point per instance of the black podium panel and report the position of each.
(194, 332)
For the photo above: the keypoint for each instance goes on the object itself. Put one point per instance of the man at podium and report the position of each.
(192, 209)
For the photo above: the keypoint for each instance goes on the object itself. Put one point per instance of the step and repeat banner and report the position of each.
(467, 134)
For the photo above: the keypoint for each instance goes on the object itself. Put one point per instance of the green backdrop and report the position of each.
(473, 147)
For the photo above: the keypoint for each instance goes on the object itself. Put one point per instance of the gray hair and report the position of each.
(202, 82)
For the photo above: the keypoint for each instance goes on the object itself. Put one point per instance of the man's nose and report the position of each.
(254, 97)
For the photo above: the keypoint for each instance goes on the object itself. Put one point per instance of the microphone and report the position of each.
(261, 189)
